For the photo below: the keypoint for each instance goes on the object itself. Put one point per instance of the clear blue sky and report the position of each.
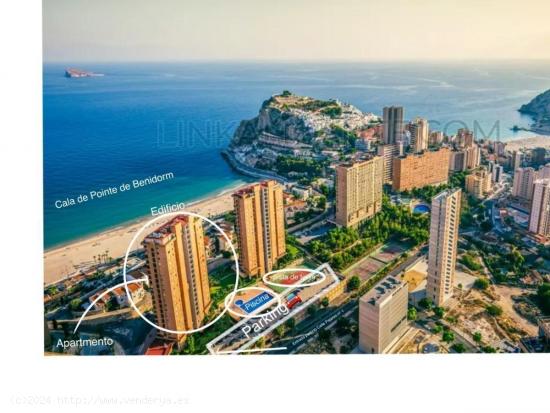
(156, 30)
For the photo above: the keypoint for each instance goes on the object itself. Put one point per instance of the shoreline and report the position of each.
(137, 220)
(529, 142)
(63, 261)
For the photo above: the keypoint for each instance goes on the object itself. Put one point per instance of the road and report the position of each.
(247, 170)
(306, 330)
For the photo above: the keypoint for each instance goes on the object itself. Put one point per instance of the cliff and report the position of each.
(275, 119)
(300, 118)
(539, 107)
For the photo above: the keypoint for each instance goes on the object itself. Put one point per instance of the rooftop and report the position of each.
(250, 189)
(166, 229)
(446, 193)
(423, 153)
(364, 158)
(382, 290)
(159, 349)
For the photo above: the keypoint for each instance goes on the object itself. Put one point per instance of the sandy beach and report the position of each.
(534, 142)
(63, 261)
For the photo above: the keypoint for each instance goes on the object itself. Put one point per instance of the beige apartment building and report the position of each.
(418, 170)
(499, 148)
(358, 191)
(436, 138)
(516, 160)
(445, 218)
(419, 130)
(473, 156)
(467, 158)
(544, 172)
(479, 183)
(383, 315)
(522, 186)
(260, 227)
(457, 161)
(539, 218)
(178, 276)
(464, 138)
(388, 153)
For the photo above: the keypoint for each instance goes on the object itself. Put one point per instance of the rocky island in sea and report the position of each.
(539, 109)
(290, 127)
(76, 73)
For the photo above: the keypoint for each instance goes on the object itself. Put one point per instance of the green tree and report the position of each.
(321, 202)
(488, 349)
(75, 304)
(324, 190)
(261, 342)
(458, 348)
(325, 302)
(332, 111)
(425, 303)
(543, 298)
(191, 345)
(439, 312)
(437, 329)
(290, 323)
(481, 283)
(112, 304)
(287, 164)
(229, 217)
(471, 262)
(411, 314)
(354, 283)
(280, 330)
(516, 260)
(448, 336)
(494, 310)
(477, 337)
(312, 309)
(451, 319)
(342, 326)
(324, 334)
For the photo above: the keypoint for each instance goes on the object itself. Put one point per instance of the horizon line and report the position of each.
(277, 60)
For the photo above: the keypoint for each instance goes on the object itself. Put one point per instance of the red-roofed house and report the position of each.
(159, 349)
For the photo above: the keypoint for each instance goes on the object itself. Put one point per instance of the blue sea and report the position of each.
(143, 119)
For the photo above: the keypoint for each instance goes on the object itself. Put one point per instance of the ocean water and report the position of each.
(145, 119)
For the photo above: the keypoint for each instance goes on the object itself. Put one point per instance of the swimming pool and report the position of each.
(421, 209)
(254, 303)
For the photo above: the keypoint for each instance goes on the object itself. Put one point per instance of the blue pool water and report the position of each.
(254, 303)
(421, 209)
